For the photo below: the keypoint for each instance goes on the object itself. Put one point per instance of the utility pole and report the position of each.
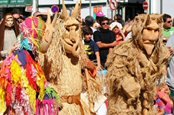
(34, 6)
(161, 6)
(90, 7)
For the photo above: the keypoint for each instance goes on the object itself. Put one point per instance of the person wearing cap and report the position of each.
(89, 21)
(117, 29)
(105, 39)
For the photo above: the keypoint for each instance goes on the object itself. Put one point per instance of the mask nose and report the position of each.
(73, 41)
(73, 36)
(154, 26)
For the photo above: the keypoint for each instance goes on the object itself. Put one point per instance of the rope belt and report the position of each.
(73, 99)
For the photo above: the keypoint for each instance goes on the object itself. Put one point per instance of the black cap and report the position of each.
(89, 20)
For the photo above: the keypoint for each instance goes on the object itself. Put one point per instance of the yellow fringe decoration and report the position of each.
(41, 82)
(16, 72)
(32, 95)
(19, 76)
(2, 101)
(29, 90)
(24, 80)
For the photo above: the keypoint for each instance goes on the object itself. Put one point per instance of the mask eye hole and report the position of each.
(149, 29)
(77, 27)
(67, 28)
(157, 30)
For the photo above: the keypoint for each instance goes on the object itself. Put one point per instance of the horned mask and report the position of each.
(72, 34)
(147, 32)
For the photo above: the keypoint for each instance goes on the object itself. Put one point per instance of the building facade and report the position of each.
(127, 8)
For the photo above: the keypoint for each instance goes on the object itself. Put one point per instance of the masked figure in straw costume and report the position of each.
(64, 61)
(135, 67)
(22, 80)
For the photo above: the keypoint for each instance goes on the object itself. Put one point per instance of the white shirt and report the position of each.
(9, 39)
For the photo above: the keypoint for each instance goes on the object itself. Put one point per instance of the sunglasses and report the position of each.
(105, 23)
(169, 21)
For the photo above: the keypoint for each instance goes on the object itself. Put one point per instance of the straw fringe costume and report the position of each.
(64, 61)
(133, 74)
(61, 63)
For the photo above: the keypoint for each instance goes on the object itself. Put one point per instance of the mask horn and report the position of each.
(64, 14)
(147, 20)
(160, 18)
(77, 9)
